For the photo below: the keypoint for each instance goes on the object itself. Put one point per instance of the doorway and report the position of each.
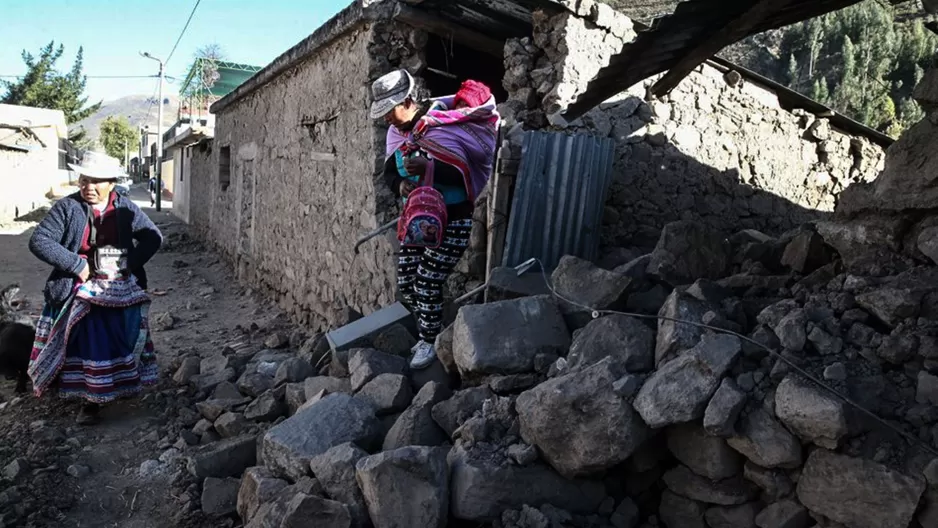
(450, 63)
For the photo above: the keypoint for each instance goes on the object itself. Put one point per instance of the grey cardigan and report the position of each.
(58, 238)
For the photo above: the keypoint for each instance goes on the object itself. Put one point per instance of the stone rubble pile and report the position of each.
(539, 415)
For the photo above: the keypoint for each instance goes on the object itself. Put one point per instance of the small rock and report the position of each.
(576, 439)
(406, 487)
(679, 391)
(336, 419)
(674, 337)
(858, 493)
(230, 424)
(811, 413)
(791, 331)
(304, 508)
(626, 515)
(450, 414)
(227, 458)
(627, 386)
(387, 393)
(824, 343)
(678, 511)
(891, 305)
(926, 390)
(705, 455)
(775, 484)
(415, 426)
(187, 370)
(267, 408)
(766, 442)
(163, 322)
(742, 516)
(627, 340)
(522, 454)
(727, 492)
(784, 514)
(276, 340)
(723, 410)
(213, 364)
(150, 468)
(395, 340)
(367, 364)
(220, 496)
(688, 251)
(835, 372)
(15, 469)
(293, 370)
(315, 385)
(258, 486)
(77, 471)
(335, 470)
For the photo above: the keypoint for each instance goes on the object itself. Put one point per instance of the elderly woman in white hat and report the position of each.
(92, 341)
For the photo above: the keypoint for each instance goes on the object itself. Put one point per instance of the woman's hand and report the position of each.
(406, 187)
(85, 273)
(416, 166)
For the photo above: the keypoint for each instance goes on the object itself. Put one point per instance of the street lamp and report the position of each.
(159, 136)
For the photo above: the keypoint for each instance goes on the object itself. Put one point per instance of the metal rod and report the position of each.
(375, 233)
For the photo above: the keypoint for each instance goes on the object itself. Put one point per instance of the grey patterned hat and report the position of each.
(389, 91)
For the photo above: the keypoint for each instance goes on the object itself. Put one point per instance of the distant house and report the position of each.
(34, 152)
(207, 81)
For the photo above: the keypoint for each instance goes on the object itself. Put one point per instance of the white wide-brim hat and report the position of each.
(99, 166)
(389, 91)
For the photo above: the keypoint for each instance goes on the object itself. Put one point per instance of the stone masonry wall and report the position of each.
(718, 150)
(303, 186)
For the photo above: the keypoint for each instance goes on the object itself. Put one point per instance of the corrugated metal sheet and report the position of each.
(693, 24)
(559, 195)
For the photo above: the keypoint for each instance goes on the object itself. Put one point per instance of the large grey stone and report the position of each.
(406, 487)
(226, 458)
(679, 512)
(891, 305)
(293, 370)
(784, 514)
(806, 252)
(679, 391)
(387, 393)
(580, 425)
(766, 442)
(220, 496)
(267, 408)
(688, 251)
(673, 336)
(451, 413)
(811, 412)
(727, 492)
(858, 493)
(335, 470)
(626, 339)
(415, 426)
(482, 489)
(705, 455)
(336, 419)
(303, 508)
(504, 337)
(366, 364)
(723, 410)
(444, 350)
(585, 284)
(258, 486)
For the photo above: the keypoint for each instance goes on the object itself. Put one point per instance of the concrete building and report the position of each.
(34, 152)
(292, 176)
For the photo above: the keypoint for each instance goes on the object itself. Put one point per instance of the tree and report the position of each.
(205, 60)
(45, 87)
(116, 135)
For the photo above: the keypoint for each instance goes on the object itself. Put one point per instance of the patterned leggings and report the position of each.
(421, 273)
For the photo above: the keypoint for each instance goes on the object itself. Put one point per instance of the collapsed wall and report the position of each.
(719, 149)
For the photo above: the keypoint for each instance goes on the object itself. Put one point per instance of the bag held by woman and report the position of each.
(424, 217)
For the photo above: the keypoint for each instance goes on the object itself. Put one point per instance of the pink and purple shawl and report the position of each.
(464, 138)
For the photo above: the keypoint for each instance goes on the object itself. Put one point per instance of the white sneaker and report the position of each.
(424, 354)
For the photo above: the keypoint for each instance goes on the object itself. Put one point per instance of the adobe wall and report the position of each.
(718, 150)
(305, 183)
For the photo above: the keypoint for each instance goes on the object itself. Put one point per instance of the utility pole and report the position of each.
(159, 137)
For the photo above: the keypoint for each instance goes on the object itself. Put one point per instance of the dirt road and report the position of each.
(126, 471)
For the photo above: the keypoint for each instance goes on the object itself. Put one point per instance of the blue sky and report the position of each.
(113, 32)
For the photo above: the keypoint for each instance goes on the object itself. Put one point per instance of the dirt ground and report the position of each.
(107, 475)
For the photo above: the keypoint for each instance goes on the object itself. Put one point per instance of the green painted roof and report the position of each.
(229, 76)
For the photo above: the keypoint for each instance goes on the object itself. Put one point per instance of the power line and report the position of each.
(183, 32)
(94, 76)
